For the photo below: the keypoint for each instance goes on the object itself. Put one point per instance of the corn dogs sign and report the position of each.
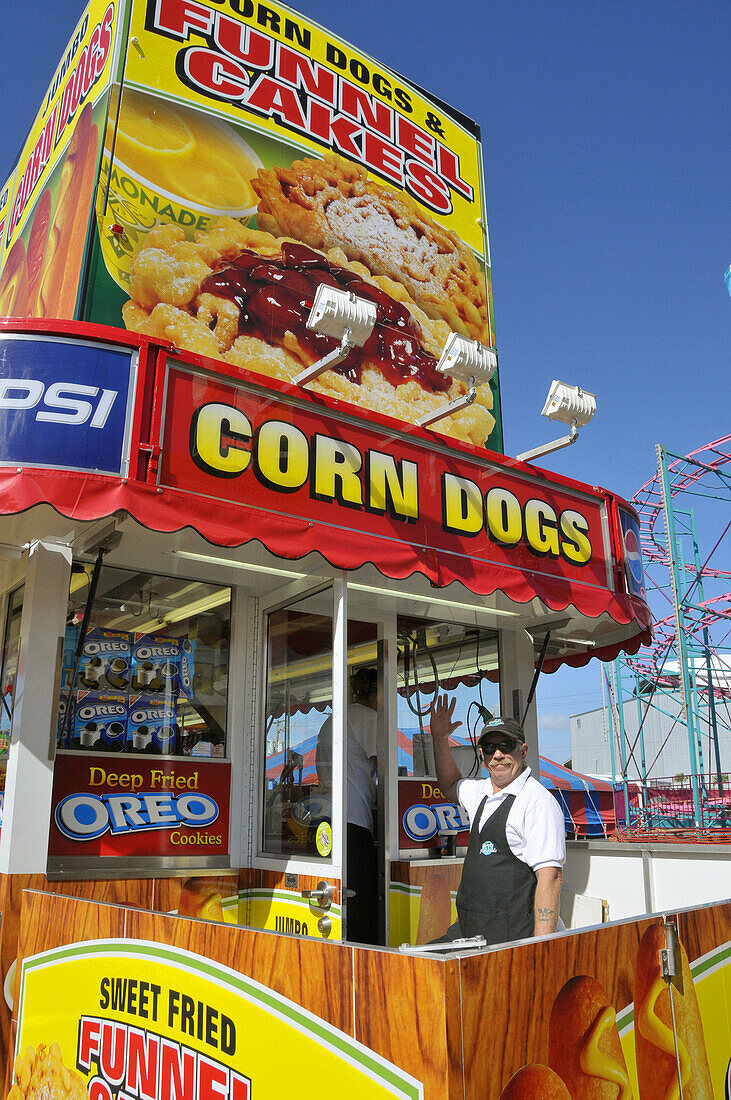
(228, 442)
(132, 1018)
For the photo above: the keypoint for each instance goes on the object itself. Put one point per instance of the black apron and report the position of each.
(497, 891)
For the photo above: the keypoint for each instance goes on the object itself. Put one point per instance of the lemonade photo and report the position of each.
(166, 163)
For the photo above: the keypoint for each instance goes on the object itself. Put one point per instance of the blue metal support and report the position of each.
(680, 636)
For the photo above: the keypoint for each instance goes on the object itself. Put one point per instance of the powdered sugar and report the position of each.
(366, 225)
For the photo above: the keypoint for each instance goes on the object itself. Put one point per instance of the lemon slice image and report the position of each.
(148, 127)
(184, 154)
(216, 182)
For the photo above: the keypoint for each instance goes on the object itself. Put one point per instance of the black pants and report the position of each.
(362, 908)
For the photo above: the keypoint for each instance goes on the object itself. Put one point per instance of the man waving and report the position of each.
(511, 879)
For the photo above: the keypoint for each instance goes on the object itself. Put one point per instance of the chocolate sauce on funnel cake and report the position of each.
(275, 296)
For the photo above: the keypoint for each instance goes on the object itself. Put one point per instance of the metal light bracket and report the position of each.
(669, 956)
(447, 410)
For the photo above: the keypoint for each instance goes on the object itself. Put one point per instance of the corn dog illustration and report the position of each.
(59, 281)
(435, 912)
(14, 283)
(657, 1068)
(200, 897)
(535, 1082)
(583, 1042)
(37, 246)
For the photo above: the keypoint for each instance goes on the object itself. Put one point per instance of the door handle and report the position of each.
(322, 896)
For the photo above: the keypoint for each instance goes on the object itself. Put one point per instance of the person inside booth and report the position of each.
(361, 757)
(511, 879)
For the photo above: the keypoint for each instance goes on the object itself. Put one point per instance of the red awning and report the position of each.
(241, 459)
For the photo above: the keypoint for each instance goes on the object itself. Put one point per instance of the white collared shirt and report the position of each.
(535, 828)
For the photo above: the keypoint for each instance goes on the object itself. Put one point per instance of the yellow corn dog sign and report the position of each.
(134, 1018)
(46, 215)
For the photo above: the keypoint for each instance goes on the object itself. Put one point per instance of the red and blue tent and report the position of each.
(587, 804)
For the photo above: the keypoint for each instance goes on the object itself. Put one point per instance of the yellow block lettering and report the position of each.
(541, 528)
(393, 487)
(282, 456)
(217, 437)
(337, 465)
(461, 505)
(575, 544)
(504, 516)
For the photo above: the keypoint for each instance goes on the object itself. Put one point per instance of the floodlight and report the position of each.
(341, 314)
(469, 362)
(569, 405)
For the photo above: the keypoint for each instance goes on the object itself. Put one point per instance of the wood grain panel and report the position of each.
(415, 872)
(704, 929)
(407, 1009)
(10, 900)
(314, 974)
(437, 880)
(136, 892)
(167, 891)
(515, 988)
(46, 921)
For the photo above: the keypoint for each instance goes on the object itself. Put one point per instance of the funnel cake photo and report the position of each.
(39, 1074)
(244, 296)
(331, 203)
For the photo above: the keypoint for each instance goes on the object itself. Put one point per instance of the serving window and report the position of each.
(151, 674)
(297, 795)
(9, 667)
(443, 658)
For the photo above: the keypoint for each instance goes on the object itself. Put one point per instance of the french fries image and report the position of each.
(14, 283)
(657, 1069)
(59, 280)
(534, 1082)
(583, 1042)
(435, 911)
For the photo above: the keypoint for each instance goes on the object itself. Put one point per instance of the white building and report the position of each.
(665, 739)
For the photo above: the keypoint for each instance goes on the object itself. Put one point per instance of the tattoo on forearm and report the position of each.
(545, 913)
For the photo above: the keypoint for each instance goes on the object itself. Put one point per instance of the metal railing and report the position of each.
(665, 810)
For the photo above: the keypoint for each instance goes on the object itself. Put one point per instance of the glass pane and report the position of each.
(153, 673)
(437, 658)
(297, 803)
(11, 646)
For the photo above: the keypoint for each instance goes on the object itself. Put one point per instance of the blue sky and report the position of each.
(607, 153)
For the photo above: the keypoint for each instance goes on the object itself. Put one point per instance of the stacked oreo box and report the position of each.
(126, 693)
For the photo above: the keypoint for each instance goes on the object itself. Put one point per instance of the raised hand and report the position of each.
(441, 724)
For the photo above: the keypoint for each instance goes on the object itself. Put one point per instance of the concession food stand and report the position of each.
(213, 515)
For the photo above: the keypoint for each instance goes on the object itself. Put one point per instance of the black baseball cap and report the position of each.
(507, 726)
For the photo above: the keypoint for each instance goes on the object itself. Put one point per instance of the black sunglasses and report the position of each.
(504, 747)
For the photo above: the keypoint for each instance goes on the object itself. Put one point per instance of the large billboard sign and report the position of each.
(243, 156)
(270, 149)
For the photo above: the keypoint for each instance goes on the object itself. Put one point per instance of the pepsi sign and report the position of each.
(633, 554)
(64, 405)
